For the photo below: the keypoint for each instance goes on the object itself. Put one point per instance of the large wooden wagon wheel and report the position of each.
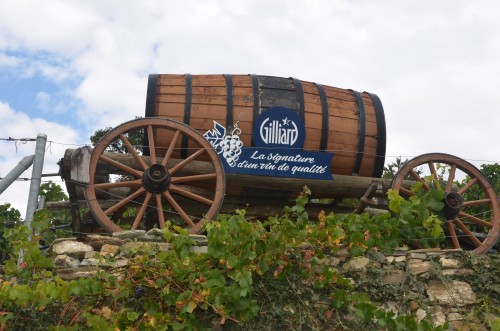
(162, 183)
(472, 209)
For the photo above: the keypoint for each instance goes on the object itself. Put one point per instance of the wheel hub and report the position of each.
(156, 179)
(452, 204)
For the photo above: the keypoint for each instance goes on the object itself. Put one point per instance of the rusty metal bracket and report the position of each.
(367, 198)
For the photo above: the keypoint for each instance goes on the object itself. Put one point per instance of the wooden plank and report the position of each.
(209, 81)
(280, 83)
(210, 90)
(367, 165)
(207, 99)
(241, 100)
(202, 125)
(312, 105)
(243, 91)
(170, 110)
(167, 89)
(313, 121)
(242, 81)
(348, 125)
(278, 98)
(313, 136)
(169, 79)
(243, 114)
(338, 93)
(216, 112)
(171, 98)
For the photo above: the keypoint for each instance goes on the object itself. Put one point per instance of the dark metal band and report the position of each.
(188, 83)
(300, 98)
(151, 95)
(150, 110)
(324, 118)
(361, 133)
(256, 98)
(229, 100)
(381, 136)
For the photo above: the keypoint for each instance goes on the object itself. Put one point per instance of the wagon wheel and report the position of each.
(161, 182)
(471, 210)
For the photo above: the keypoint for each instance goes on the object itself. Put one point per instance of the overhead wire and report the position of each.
(401, 156)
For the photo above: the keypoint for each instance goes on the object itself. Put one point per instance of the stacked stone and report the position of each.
(446, 299)
(75, 259)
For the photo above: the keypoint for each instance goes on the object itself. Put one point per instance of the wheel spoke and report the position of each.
(170, 148)
(195, 178)
(469, 234)
(186, 161)
(418, 179)
(151, 140)
(476, 202)
(467, 186)
(432, 168)
(132, 151)
(191, 195)
(451, 177)
(123, 202)
(121, 166)
(141, 212)
(128, 183)
(475, 219)
(452, 233)
(159, 209)
(178, 208)
(406, 192)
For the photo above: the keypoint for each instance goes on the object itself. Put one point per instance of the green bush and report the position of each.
(260, 274)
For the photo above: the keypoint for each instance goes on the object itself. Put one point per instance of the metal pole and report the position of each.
(41, 201)
(14, 174)
(36, 178)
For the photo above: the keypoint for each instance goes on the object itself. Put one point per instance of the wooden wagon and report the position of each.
(212, 143)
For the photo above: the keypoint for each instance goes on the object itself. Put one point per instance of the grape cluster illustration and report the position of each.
(230, 147)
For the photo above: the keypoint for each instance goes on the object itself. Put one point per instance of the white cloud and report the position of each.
(433, 64)
(56, 26)
(7, 61)
(60, 103)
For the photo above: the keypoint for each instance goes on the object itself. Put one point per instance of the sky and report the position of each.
(68, 68)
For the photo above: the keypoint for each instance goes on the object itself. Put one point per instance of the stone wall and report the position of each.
(75, 259)
(427, 283)
(419, 282)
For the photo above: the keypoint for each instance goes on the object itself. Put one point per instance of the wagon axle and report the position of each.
(453, 202)
(156, 179)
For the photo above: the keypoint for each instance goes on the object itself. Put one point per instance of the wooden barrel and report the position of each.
(349, 123)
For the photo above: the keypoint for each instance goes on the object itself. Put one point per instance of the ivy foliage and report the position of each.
(9, 217)
(255, 275)
(420, 216)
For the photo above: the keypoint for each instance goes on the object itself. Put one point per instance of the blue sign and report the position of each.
(279, 135)
(279, 127)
